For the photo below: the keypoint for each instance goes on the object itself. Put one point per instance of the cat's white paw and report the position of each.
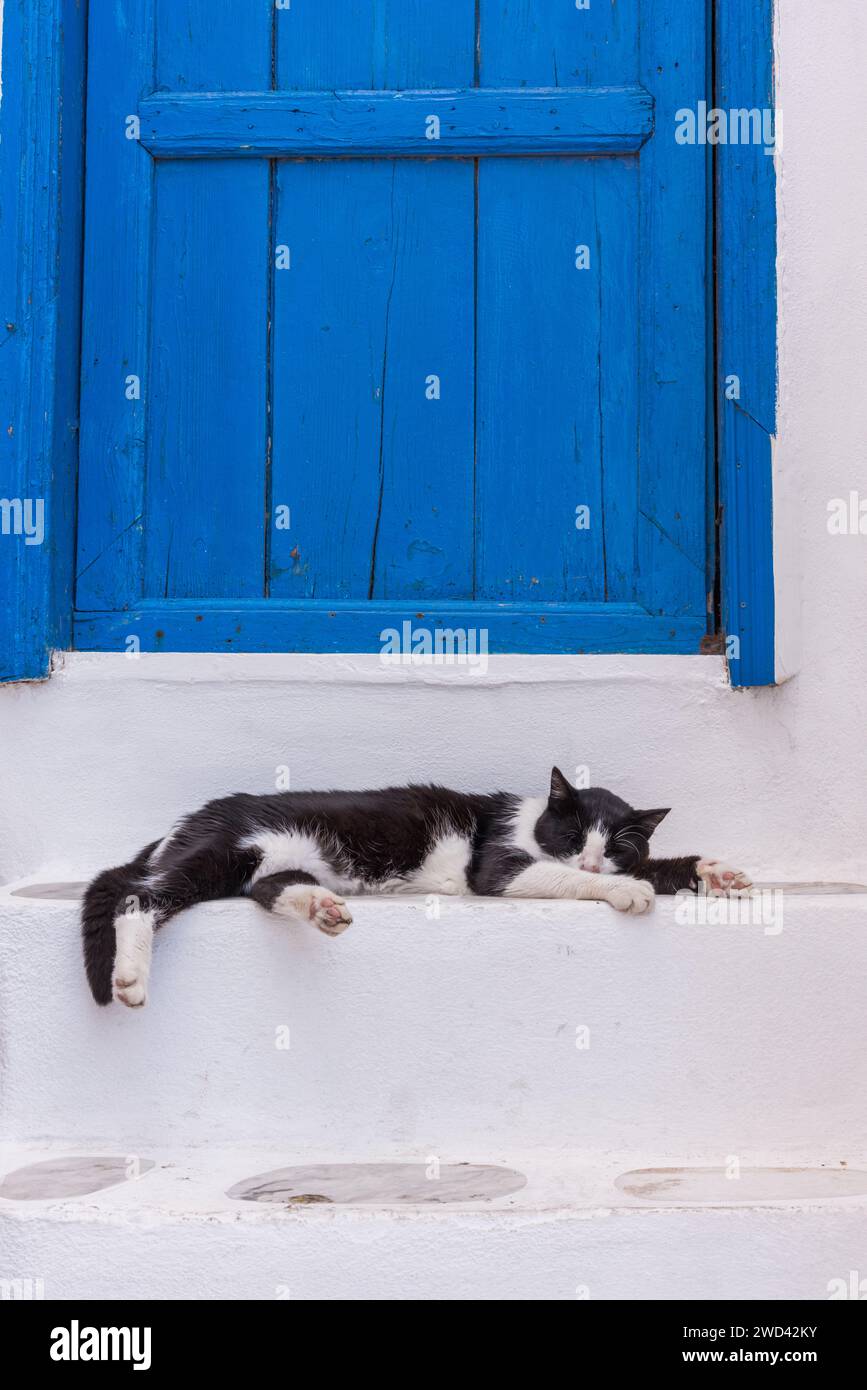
(328, 912)
(317, 905)
(131, 990)
(630, 895)
(134, 934)
(721, 879)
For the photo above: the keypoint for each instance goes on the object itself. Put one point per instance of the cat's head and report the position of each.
(594, 829)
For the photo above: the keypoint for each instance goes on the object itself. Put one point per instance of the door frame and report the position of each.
(41, 188)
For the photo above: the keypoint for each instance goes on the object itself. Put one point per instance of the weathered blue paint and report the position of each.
(296, 625)
(207, 391)
(431, 387)
(441, 386)
(373, 373)
(116, 310)
(471, 122)
(747, 315)
(40, 256)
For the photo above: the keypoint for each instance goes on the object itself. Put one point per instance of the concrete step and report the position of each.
(492, 1027)
(579, 1227)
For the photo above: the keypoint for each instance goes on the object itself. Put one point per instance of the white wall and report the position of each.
(107, 753)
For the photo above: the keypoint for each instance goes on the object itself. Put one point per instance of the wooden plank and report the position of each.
(550, 382)
(558, 45)
(331, 45)
(747, 316)
(364, 627)
(373, 380)
(114, 386)
(373, 332)
(41, 190)
(207, 422)
(675, 355)
(471, 122)
(557, 328)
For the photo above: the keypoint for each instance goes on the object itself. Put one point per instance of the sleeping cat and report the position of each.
(298, 853)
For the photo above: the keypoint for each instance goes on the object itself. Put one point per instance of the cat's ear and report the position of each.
(561, 793)
(649, 820)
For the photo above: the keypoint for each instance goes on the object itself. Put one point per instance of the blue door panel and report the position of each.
(207, 419)
(326, 388)
(557, 425)
(373, 380)
(392, 45)
(555, 45)
(675, 315)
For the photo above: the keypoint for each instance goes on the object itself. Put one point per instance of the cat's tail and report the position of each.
(103, 899)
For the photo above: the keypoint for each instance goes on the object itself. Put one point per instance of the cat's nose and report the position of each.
(592, 868)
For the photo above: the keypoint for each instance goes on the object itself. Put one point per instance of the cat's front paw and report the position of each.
(328, 912)
(721, 879)
(630, 895)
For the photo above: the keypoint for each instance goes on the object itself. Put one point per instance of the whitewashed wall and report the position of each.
(107, 753)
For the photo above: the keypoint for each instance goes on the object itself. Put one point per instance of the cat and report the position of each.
(297, 853)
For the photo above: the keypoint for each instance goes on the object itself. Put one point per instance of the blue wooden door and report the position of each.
(394, 311)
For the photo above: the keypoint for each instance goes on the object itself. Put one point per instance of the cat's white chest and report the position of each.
(445, 868)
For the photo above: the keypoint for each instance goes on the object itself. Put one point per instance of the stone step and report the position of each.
(86, 1223)
(491, 1027)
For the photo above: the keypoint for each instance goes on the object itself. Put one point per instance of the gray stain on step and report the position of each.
(715, 1187)
(379, 1184)
(75, 1176)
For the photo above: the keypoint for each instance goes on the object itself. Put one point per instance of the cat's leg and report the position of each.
(687, 873)
(299, 895)
(139, 917)
(159, 895)
(134, 928)
(516, 875)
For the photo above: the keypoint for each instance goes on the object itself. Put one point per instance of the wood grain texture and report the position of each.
(557, 380)
(427, 381)
(207, 425)
(674, 322)
(471, 122)
(372, 456)
(346, 45)
(747, 315)
(282, 625)
(558, 344)
(41, 191)
(523, 42)
(116, 298)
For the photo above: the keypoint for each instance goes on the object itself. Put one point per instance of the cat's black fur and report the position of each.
(370, 840)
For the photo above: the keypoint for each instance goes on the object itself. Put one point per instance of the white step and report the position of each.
(457, 1034)
(734, 1053)
(569, 1233)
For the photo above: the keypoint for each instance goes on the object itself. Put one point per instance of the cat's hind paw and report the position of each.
(132, 991)
(134, 934)
(721, 880)
(630, 895)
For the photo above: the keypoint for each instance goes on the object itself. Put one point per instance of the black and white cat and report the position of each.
(298, 853)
